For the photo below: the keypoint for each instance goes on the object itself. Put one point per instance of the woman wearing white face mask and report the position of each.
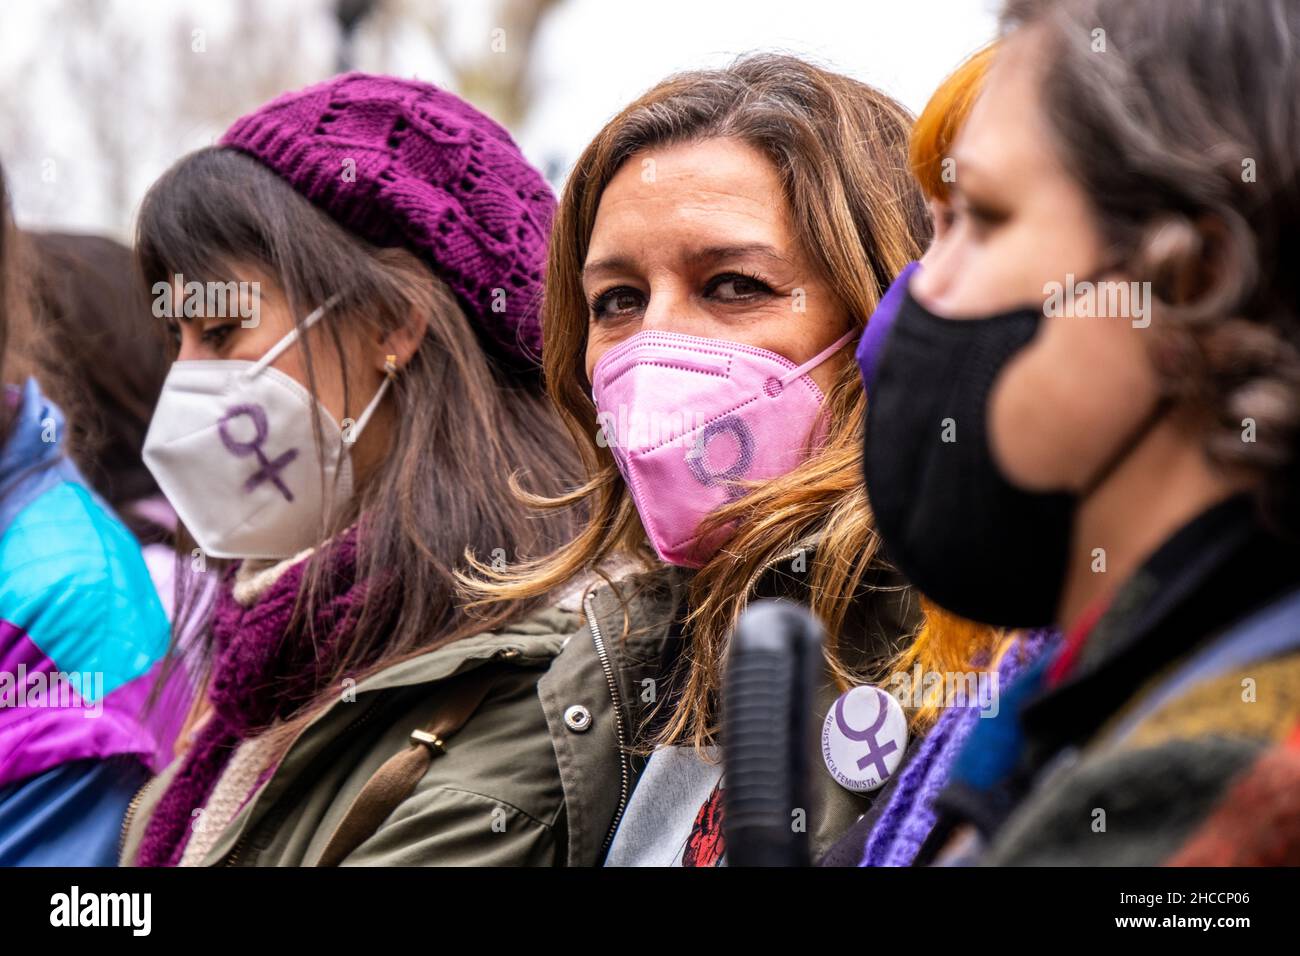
(276, 486)
(333, 441)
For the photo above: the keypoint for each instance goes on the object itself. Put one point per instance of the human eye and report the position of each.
(618, 302)
(737, 287)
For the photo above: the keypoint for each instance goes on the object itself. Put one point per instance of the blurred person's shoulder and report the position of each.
(1150, 778)
(72, 577)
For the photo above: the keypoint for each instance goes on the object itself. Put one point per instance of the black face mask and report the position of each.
(955, 526)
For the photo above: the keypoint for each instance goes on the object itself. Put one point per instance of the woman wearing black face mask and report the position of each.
(1087, 414)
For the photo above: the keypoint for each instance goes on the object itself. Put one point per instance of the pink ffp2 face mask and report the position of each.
(687, 418)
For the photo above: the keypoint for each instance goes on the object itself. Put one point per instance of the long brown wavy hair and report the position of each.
(840, 148)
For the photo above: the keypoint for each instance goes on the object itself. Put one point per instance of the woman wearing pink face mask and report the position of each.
(717, 251)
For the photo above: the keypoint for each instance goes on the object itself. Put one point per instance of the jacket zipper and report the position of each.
(749, 587)
(126, 820)
(601, 652)
(624, 770)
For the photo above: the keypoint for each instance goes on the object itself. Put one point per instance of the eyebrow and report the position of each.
(624, 264)
(970, 165)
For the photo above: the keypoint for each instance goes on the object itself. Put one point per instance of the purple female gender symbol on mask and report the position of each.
(268, 470)
(876, 752)
(698, 457)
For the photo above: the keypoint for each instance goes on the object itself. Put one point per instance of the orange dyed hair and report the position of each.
(942, 119)
(945, 643)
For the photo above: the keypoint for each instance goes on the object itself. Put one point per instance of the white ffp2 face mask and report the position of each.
(232, 446)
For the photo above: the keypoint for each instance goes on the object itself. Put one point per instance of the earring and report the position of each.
(390, 365)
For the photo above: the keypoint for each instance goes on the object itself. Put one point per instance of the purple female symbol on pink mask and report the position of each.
(698, 457)
(269, 470)
(761, 416)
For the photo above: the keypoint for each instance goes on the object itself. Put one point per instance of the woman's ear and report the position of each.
(399, 344)
(1188, 260)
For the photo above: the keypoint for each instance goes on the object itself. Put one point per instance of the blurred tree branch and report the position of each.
(497, 75)
(104, 94)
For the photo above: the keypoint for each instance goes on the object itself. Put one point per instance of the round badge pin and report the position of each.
(864, 738)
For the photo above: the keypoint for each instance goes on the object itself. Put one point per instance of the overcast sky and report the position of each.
(599, 55)
(594, 56)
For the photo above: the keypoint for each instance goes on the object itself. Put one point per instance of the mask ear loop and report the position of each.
(817, 359)
(276, 350)
(1164, 404)
(390, 372)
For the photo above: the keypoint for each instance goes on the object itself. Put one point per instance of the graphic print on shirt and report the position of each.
(705, 846)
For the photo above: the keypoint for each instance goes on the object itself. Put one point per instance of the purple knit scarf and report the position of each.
(263, 672)
(900, 831)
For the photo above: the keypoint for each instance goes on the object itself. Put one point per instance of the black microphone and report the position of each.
(768, 701)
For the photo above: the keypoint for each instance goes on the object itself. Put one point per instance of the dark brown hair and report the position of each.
(21, 340)
(1181, 121)
(108, 356)
(11, 302)
(4, 284)
(463, 425)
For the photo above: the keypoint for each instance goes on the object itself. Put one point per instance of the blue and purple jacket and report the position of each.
(82, 634)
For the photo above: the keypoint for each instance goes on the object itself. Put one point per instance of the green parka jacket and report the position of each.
(542, 771)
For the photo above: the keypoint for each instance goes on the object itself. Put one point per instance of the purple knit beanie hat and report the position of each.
(403, 163)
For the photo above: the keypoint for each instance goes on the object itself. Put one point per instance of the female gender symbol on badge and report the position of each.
(864, 738)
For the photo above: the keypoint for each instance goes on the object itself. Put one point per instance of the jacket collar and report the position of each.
(1215, 570)
(35, 418)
